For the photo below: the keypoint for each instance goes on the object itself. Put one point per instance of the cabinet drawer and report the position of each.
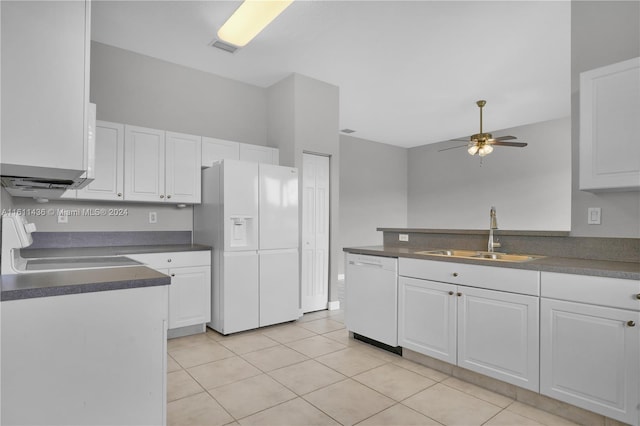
(614, 292)
(174, 259)
(491, 277)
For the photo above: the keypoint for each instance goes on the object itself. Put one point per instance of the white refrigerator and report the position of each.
(249, 215)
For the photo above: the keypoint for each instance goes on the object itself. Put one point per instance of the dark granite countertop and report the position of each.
(109, 251)
(601, 268)
(46, 284)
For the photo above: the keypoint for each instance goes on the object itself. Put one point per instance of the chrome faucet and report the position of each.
(493, 224)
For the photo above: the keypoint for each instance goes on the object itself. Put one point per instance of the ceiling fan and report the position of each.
(483, 143)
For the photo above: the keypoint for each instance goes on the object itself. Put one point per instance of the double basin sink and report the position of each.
(472, 254)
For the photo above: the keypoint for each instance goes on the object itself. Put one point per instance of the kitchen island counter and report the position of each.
(46, 284)
(601, 268)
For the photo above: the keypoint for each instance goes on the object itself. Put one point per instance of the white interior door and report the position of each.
(315, 232)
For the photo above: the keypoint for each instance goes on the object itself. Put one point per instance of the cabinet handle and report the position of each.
(119, 194)
(459, 294)
(168, 196)
(631, 323)
(162, 196)
(455, 274)
(450, 293)
(173, 275)
(169, 260)
(638, 296)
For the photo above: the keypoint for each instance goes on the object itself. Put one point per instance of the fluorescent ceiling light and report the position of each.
(249, 19)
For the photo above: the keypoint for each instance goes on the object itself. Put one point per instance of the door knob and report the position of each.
(450, 293)
(631, 323)
(173, 275)
(162, 196)
(168, 196)
(638, 296)
(455, 274)
(119, 194)
(459, 294)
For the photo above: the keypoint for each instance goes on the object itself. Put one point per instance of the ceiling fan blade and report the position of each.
(505, 138)
(517, 144)
(453, 147)
(460, 140)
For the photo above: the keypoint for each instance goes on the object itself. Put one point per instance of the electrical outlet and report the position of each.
(153, 217)
(403, 237)
(593, 215)
(63, 218)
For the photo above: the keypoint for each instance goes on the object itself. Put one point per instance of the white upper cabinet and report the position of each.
(218, 149)
(609, 127)
(161, 167)
(182, 160)
(45, 86)
(109, 166)
(259, 154)
(144, 164)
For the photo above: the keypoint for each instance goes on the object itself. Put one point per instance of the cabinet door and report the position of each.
(189, 296)
(45, 84)
(609, 127)
(218, 149)
(258, 153)
(427, 318)
(589, 358)
(109, 174)
(498, 335)
(144, 164)
(182, 158)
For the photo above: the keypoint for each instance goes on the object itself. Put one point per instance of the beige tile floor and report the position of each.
(310, 372)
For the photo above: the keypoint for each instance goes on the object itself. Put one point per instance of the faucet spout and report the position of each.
(493, 224)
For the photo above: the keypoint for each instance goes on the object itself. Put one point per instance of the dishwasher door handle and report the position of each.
(377, 265)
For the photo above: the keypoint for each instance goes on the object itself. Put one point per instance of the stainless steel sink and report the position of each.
(471, 254)
(451, 253)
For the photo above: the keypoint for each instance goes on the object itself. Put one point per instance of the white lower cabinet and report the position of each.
(494, 333)
(88, 358)
(590, 354)
(427, 318)
(498, 335)
(190, 289)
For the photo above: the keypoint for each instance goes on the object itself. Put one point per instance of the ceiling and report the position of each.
(409, 72)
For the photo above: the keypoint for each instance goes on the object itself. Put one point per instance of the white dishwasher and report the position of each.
(371, 297)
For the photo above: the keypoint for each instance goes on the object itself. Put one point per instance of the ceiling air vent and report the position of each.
(347, 131)
(224, 46)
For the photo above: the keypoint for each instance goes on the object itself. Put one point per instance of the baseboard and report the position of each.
(333, 306)
(186, 331)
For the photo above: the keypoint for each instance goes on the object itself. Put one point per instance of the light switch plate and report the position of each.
(593, 215)
(153, 217)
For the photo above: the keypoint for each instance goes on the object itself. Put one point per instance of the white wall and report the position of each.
(530, 187)
(602, 33)
(373, 190)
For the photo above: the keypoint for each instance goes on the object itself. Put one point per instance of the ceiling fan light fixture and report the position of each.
(473, 149)
(485, 150)
(249, 19)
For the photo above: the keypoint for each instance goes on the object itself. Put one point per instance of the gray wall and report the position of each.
(373, 190)
(304, 118)
(602, 33)
(530, 187)
(135, 89)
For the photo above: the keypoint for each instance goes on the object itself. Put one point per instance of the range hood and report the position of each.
(41, 182)
(22, 180)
